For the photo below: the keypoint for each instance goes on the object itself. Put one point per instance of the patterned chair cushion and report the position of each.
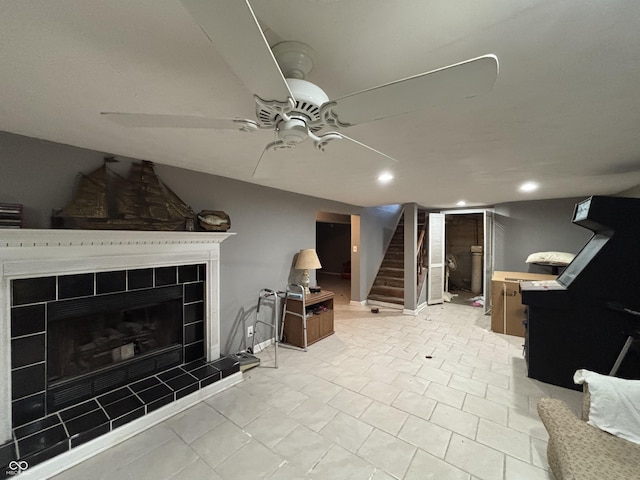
(578, 451)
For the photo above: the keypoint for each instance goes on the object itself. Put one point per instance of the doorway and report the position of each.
(333, 245)
(468, 256)
(464, 241)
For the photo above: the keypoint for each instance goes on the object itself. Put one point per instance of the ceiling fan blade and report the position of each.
(256, 172)
(279, 157)
(179, 121)
(462, 80)
(270, 153)
(344, 137)
(233, 29)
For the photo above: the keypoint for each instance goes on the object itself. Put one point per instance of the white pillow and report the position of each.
(551, 258)
(615, 404)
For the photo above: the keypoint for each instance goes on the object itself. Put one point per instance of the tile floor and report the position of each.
(389, 396)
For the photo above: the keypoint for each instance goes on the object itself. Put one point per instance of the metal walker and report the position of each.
(264, 295)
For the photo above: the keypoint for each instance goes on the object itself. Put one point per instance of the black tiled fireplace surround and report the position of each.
(39, 434)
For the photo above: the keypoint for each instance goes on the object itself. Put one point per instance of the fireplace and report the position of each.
(103, 334)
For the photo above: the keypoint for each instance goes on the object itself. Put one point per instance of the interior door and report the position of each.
(435, 277)
(488, 258)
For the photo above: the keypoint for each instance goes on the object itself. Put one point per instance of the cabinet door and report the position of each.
(326, 323)
(313, 328)
(293, 330)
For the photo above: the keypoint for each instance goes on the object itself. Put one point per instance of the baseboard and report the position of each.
(394, 306)
(355, 303)
(262, 345)
(420, 308)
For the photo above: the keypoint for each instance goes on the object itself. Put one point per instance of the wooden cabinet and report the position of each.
(318, 310)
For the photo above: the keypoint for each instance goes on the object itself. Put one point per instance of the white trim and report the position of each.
(355, 303)
(87, 450)
(395, 306)
(420, 308)
(24, 237)
(262, 345)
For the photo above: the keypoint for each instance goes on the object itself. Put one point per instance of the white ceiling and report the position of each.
(565, 109)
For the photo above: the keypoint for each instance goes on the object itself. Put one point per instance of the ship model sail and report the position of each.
(104, 200)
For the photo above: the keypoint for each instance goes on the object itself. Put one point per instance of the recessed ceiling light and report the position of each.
(528, 187)
(385, 177)
(461, 203)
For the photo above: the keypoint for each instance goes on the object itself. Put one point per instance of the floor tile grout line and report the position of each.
(376, 353)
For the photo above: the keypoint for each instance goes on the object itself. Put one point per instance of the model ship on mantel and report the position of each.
(104, 200)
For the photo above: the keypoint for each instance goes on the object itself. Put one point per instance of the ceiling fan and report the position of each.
(296, 109)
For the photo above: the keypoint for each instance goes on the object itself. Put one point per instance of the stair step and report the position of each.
(389, 281)
(397, 292)
(382, 298)
(392, 263)
(391, 272)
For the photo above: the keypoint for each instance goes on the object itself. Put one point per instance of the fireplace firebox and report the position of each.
(95, 344)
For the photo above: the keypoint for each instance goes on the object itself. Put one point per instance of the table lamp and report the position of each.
(307, 260)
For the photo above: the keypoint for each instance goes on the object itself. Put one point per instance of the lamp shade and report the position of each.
(308, 260)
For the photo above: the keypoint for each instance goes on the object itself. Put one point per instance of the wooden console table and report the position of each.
(318, 309)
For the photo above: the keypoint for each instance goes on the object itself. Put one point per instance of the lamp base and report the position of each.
(305, 281)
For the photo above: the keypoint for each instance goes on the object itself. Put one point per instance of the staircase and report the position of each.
(388, 287)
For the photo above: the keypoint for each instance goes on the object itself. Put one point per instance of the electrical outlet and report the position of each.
(250, 331)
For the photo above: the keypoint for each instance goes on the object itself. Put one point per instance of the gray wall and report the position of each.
(632, 192)
(378, 226)
(523, 228)
(271, 225)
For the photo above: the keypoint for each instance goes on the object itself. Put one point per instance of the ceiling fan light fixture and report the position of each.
(292, 131)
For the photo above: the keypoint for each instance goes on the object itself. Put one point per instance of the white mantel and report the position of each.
(26, 253)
